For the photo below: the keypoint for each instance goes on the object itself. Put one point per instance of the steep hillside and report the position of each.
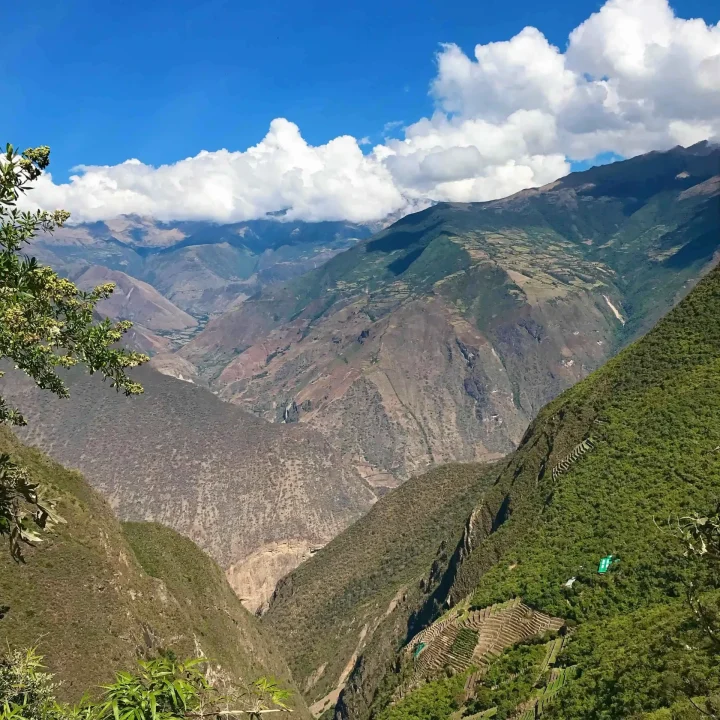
(147, 342)
(202, 267)
(257, 497)
(95, 595)
(597, 474)
(329, 608)
(136, 301)
(441, 337)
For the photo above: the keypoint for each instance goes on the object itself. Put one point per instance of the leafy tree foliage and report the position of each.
(644, 662)
(436, 700)
(26, 692)
(166, 689)
(46, 323)
(160, 689)
(510, 679)
(701, 536)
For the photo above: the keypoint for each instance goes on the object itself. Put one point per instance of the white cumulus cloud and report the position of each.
(634, 77)
(332, 181)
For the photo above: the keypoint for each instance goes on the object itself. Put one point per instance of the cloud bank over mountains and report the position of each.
(633, 78)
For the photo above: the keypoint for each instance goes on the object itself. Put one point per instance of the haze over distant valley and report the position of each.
(172, 277)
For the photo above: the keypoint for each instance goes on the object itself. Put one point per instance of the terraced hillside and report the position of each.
(257, 497)
(529, 670)
(95, 595)
(648, 425)
(441, 337)
(465, 638)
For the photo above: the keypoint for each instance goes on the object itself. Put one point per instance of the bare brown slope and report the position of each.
(135, 300)
(421, 386)
(95, 594)
(145, 341)
(405, 378)
(178, 455)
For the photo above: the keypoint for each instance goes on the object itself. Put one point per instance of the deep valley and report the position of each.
(461, 465)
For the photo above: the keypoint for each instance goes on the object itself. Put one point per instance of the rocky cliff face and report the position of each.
(441, 337)
(420, 386)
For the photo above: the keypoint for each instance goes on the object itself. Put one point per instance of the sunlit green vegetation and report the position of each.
(645, 638)
(161, 688)
(434, 701)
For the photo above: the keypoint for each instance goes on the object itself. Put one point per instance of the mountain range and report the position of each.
(563, 342)
(442, 336)
(200, 268)
(438, 339)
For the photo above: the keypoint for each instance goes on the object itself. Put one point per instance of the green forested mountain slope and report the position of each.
(653, 416)
(331, 606)
(650, 424)
(95, 594)
(441, 337)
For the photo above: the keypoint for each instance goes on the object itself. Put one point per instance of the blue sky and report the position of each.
(160, 80)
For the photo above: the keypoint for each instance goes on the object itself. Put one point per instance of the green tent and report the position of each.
(605, 564)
